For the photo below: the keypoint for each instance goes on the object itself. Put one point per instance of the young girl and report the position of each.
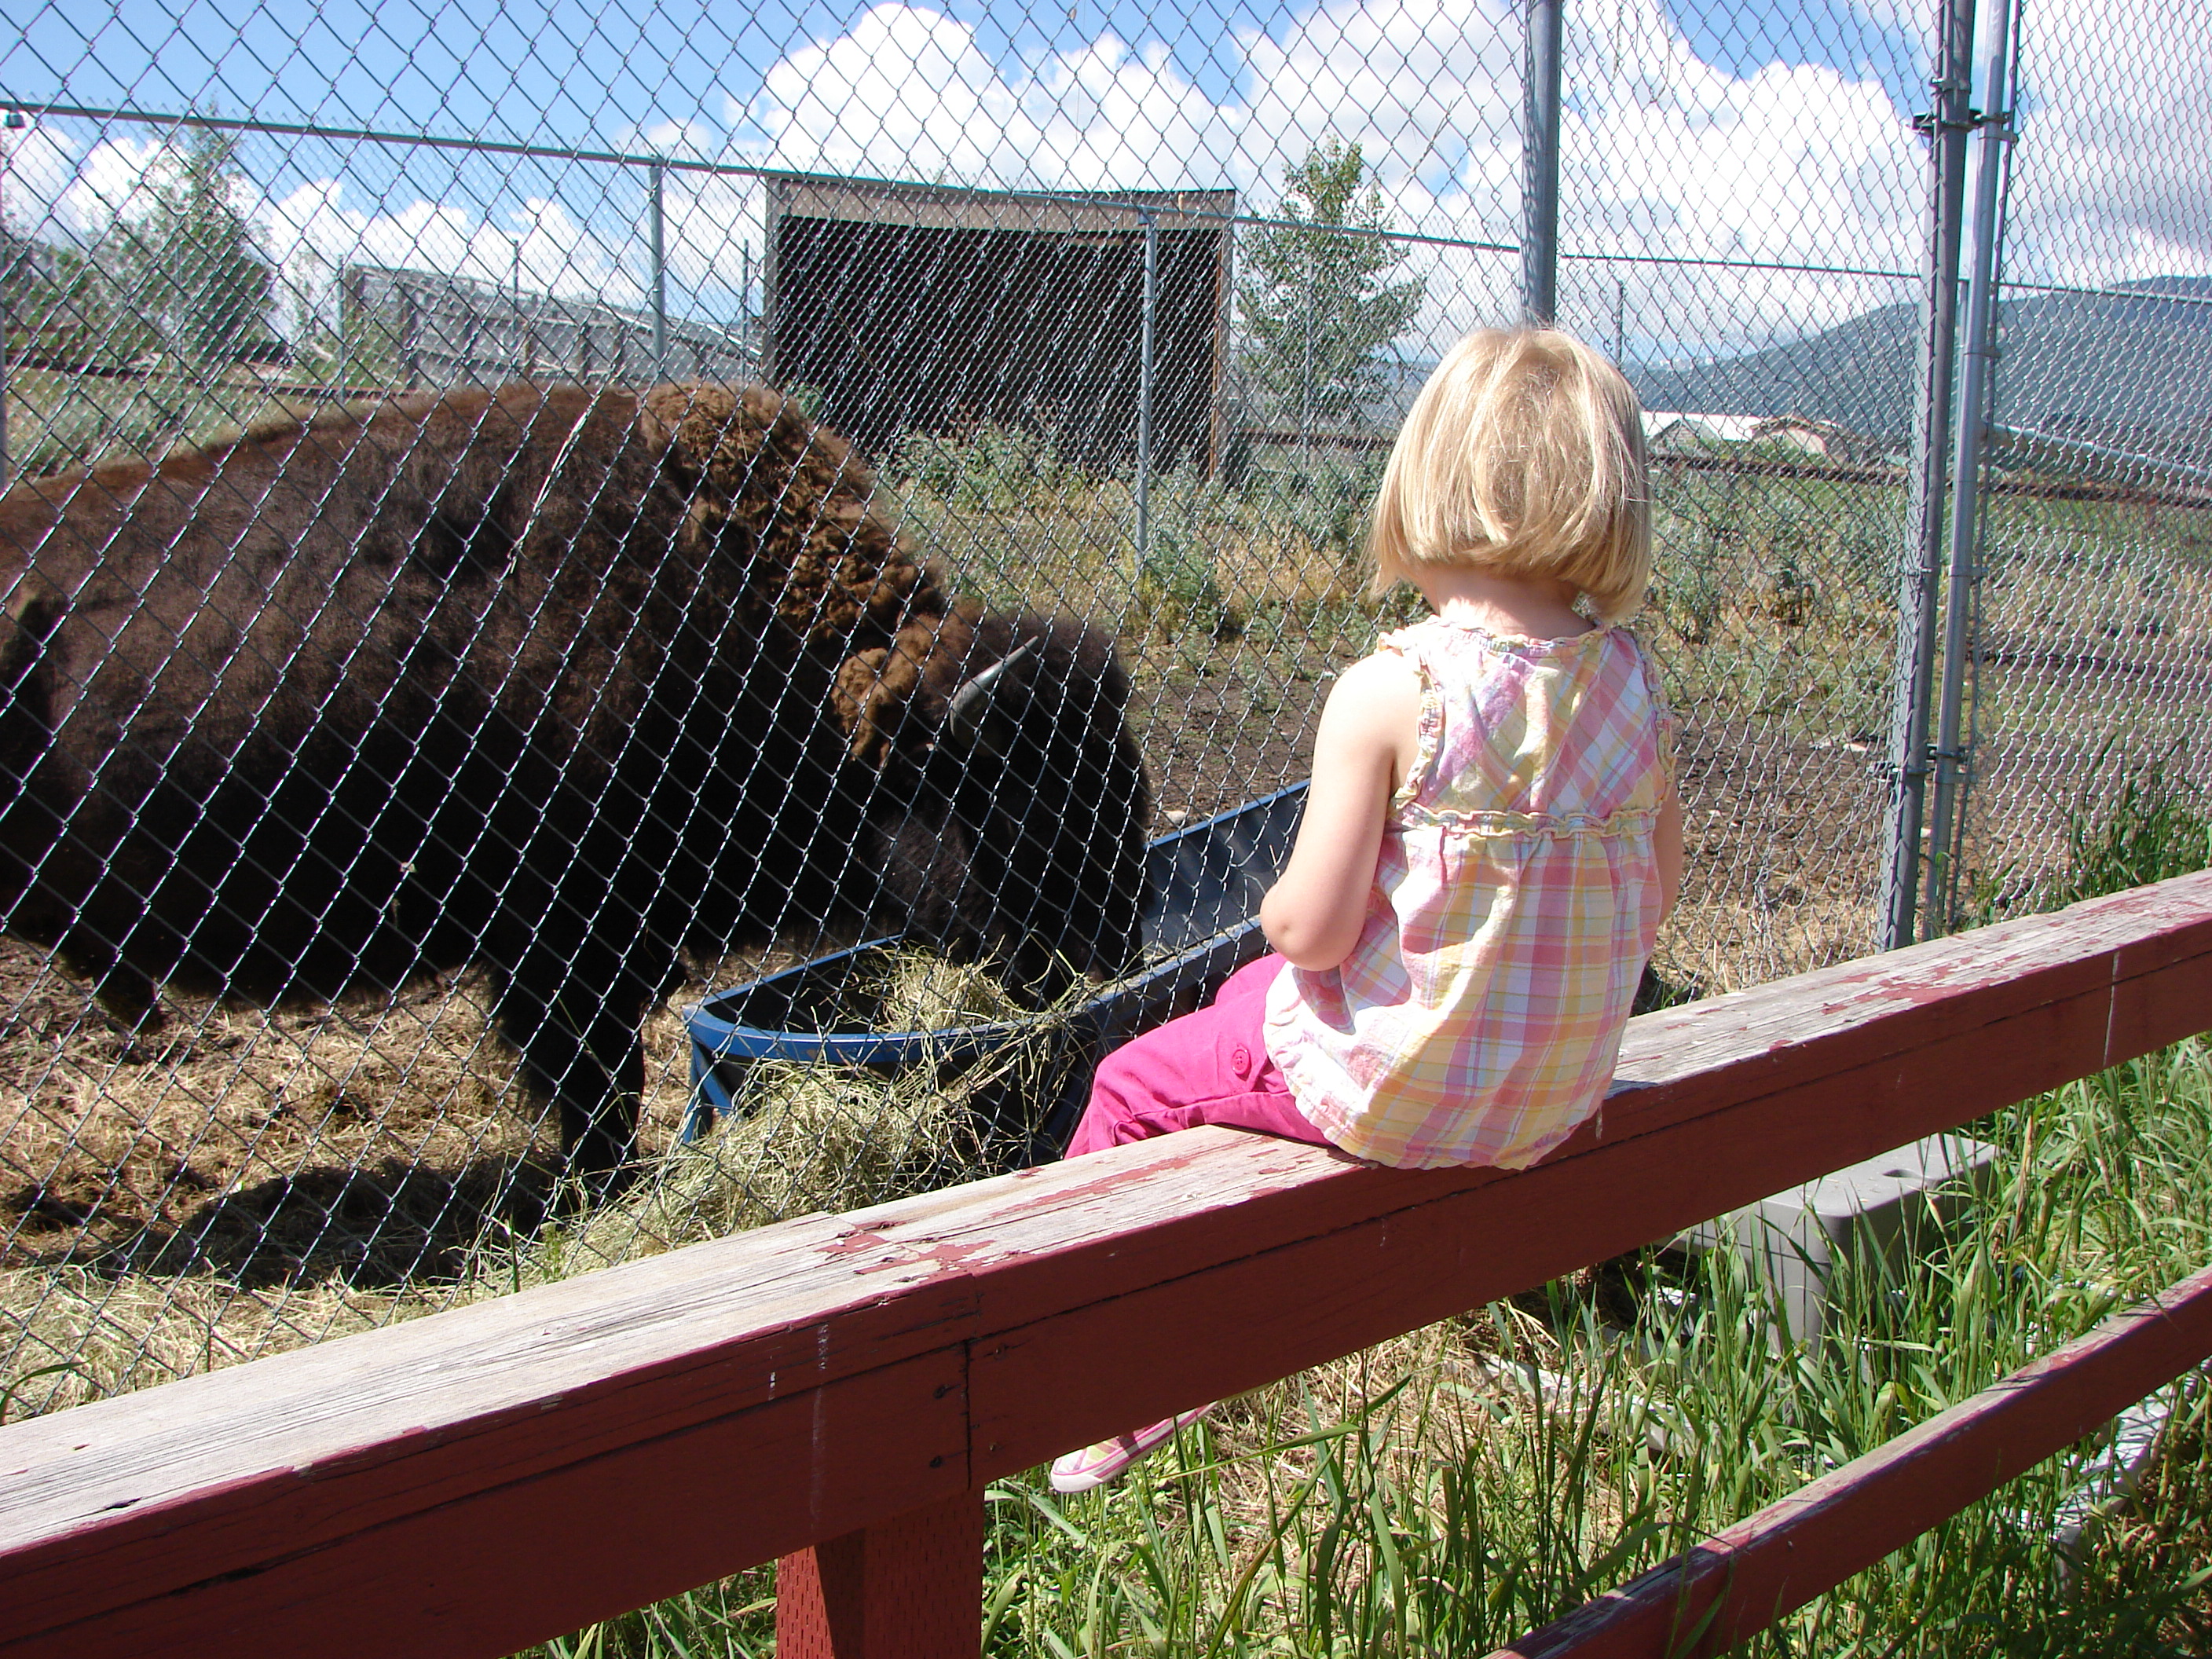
(1491, 835)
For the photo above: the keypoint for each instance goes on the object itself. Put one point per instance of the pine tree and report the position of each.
(1316, 298)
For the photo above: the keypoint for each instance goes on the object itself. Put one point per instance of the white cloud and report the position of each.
(2112, 179)
(906, 93)
(42, 166)
(1663, 154)
(1666, 157)
(2112, 175)
(1421, 85)
(308, 232)
(115, 180)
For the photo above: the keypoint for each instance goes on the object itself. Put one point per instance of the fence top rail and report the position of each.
(940, 1342)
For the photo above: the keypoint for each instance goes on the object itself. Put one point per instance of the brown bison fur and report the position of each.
(546, 679)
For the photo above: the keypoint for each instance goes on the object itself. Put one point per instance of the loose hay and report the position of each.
(249, 1181)
(72, 1335)
(272, 1146)
(805, 1138)
(904, 990)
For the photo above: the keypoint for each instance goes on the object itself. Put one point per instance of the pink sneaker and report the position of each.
(1095, 1466)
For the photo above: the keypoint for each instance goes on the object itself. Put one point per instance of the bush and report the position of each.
(2155, 825)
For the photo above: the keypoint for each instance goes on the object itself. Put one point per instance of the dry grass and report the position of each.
(901, 990)
(256, 1180)
(806, 1138)
(270, 1146)
(64, 420)
(72, 1335)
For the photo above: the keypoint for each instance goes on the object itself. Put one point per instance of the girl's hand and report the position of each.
(1366, 744)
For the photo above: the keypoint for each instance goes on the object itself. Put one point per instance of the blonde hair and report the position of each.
(1522, 456)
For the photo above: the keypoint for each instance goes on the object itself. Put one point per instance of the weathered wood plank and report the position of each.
(1113, 1288)
(1675, 1066)
(1246, 1321)
(290, 1453)
(519, 1560)
(1766, 1566)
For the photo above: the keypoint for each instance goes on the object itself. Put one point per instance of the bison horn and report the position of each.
(968, 723)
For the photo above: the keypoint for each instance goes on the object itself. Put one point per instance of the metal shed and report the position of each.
(932, 307)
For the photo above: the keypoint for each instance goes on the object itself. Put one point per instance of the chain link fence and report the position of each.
(392, 759)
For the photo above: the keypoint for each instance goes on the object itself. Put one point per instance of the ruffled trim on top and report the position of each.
(1522, 644)
(1428, 729)
(1503, 825)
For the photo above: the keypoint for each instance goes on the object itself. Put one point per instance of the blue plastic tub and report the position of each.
(1200, 927)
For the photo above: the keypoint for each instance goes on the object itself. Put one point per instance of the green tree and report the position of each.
(57, 307)
(1317, 299)
(195, 279)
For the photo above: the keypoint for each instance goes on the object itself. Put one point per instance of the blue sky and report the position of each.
(569, 73)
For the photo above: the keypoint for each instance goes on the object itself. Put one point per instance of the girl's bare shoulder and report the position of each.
(1375, 707)
(1385, 675)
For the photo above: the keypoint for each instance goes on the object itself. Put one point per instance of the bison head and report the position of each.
(1015, 800)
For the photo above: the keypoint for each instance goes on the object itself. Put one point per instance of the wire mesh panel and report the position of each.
(1748, 198)
(528, 519)
(2091, 686)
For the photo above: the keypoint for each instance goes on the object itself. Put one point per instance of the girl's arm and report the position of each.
(1669, 846)
(1366, 744)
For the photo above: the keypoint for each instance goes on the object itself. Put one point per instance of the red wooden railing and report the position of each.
(836, 1391)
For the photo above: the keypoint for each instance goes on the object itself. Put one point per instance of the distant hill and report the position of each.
(2132, 364)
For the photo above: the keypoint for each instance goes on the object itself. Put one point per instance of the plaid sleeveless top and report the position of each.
(1517, 898)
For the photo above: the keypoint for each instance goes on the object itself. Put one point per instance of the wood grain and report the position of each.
(524, 1453)
(515, 1562)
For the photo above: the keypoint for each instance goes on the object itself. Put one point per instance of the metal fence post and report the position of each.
(1305, 372)
(1146, 218)
(659, 274)
(10, 265)
(1540, 162)
(1952, 776)
(1947, 125)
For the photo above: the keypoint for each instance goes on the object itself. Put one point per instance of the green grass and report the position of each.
(1417, 1499)
(2137, 818)
(2154, 824)
(58, 421)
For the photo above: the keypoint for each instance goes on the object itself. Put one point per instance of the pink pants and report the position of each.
(1209, 1067)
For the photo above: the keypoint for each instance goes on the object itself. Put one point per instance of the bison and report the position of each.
(553, 680)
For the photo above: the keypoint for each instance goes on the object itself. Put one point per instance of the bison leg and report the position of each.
(581, 1050)
(572, 1007)
(131, 1001)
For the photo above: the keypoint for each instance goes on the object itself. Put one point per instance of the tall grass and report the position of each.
(60, 421)
(2154, 824)
(1449, 1491)
(2138, 820)
(1437, 1511)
